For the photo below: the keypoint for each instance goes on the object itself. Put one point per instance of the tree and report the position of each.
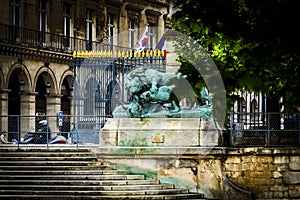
(254, 43)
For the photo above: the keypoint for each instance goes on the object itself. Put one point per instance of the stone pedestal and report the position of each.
(160, 132)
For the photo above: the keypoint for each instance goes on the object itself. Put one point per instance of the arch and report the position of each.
(242, 105)
(253, 106)
(48, 77)
(91, 86)
(66, 91)
(254, 110)
(23, 74)
(66, 76)
(110, 97)
(16, 74)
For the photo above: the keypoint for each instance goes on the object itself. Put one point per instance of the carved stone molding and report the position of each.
(36, 54)
(152, 16)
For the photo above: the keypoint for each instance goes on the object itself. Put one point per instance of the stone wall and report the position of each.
(268, 173)
(218, 172)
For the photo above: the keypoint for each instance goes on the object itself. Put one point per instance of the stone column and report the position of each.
(123, 27)
(160, 27)
(53, 106)
(143, 22)
(4, 109)
(27, 112)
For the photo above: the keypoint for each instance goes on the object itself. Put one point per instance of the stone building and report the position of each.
(37, 40)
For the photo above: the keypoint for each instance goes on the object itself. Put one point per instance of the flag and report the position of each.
(161, 45)
(143, 41)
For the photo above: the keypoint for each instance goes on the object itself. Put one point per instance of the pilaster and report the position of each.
(27, 101)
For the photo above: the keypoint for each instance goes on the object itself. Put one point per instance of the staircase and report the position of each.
(74, 174)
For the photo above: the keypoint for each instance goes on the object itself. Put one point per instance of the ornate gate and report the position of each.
(99, 79)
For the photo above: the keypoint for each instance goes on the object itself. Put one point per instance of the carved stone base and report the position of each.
(160, 132)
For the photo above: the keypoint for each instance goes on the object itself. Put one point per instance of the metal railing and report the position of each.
(264, 129)
(30, 38)
(245, 129)
(24, 130)
(99, 82)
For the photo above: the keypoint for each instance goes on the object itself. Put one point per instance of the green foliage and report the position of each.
(254, 43)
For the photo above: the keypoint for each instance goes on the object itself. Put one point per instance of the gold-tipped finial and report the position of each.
(74, 54)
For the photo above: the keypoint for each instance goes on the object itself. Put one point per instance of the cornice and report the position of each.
(36, 54)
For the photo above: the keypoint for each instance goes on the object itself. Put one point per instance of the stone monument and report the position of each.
(155, 116)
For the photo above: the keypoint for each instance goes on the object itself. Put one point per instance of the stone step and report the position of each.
(47, 163)
(47, 158)
(60, 172)
(87, 187)
(78, 182)
(58, 167)
(95, 192)
(46, 154)
(72, 177)
(81, 197)
(75, 174)
(37, 149)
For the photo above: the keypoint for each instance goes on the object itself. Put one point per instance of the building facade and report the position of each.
(37, 41)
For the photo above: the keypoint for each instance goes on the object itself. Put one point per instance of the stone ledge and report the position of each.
(183, 132)
(187, 151)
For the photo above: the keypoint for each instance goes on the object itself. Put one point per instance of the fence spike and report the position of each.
(158, 53)
(74, 54)
(151, 53)
(135, 54)
(147, 53)
(130, 54)
(86, 54)
(155, 53)
(143, 54)
(80, 54)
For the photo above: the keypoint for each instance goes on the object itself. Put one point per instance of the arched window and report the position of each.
(254, 110)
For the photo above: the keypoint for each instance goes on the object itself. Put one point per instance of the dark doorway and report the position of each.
(65, 108)
(13, 107)
(40, 106)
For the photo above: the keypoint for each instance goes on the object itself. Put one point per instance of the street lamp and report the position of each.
(21, 86)
(48, 86)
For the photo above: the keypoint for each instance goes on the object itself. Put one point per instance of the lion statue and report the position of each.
(149, 87)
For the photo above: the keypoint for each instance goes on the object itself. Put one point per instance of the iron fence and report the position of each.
(245, 129)
(46, 130)
(99, 80)
(264, 129)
